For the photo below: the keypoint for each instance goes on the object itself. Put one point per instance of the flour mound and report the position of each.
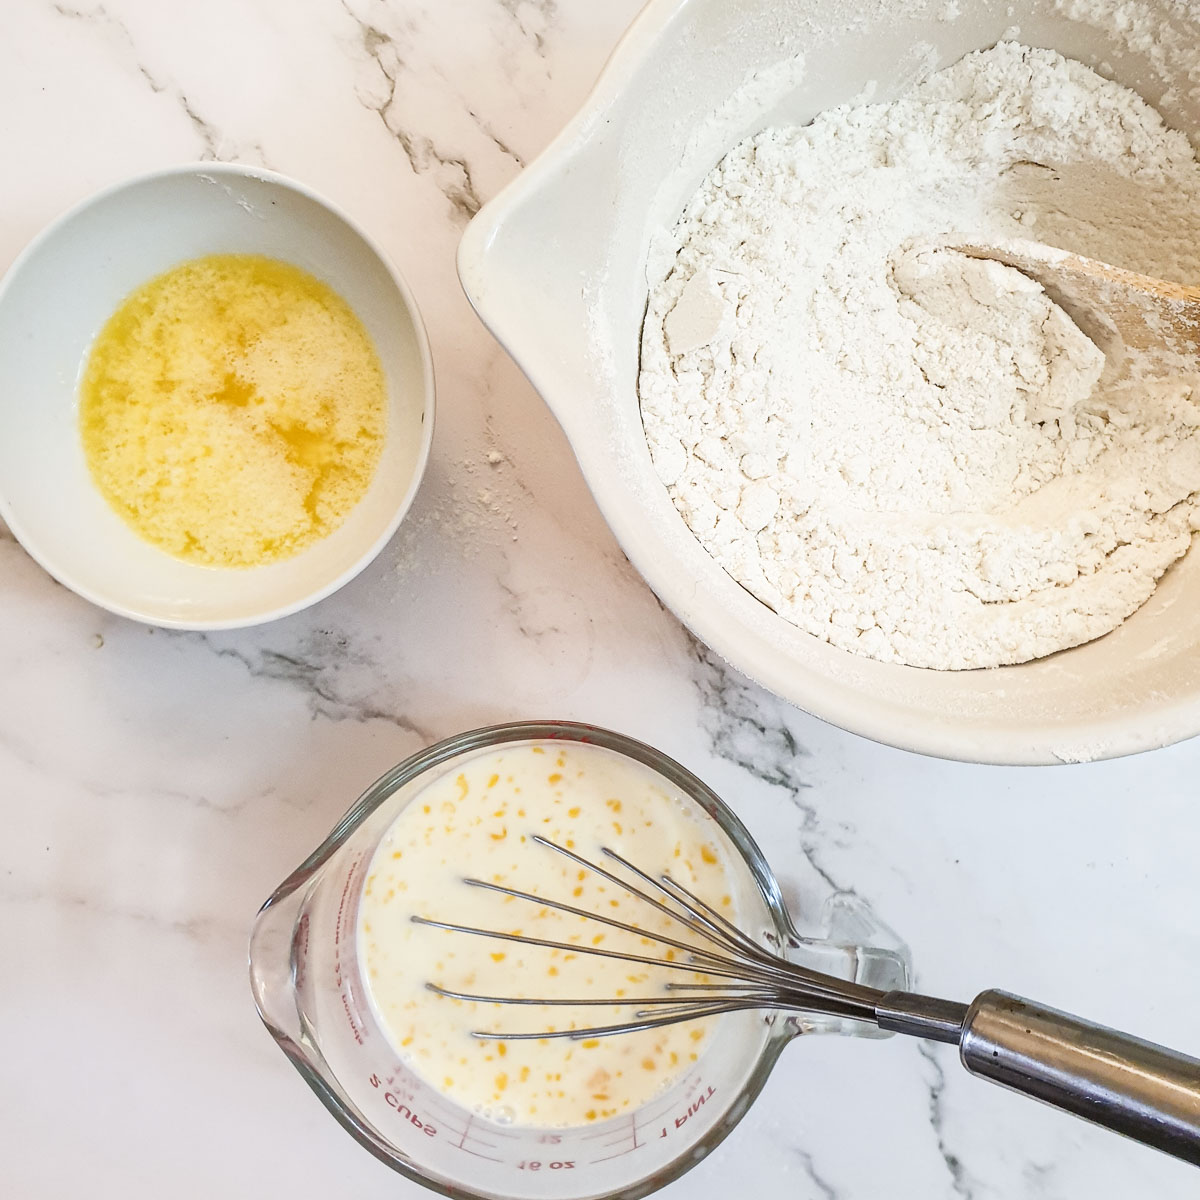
(912, 454)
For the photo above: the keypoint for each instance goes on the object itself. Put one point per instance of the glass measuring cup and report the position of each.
(311, 995)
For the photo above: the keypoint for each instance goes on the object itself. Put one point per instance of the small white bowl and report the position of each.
(556, 267)
(57, 296)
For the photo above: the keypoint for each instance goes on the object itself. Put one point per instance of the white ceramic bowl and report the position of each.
(556, 267)
(59, 293)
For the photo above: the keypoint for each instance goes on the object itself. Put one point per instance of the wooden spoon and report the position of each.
(1148, 315)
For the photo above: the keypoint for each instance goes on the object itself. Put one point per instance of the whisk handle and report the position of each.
(1128, 1085)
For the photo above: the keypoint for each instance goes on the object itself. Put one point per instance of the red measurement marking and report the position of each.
(619, 1154)
(631, 1138)
(467, 1136)
(345, 957)
(341, 912)
(462, 1143)
(351, 1018)
(496, 1131)
(619, 1140)
(490, 1158)
(398, 1103)
(692, 1110)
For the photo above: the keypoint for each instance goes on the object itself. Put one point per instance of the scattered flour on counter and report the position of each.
(915, 455)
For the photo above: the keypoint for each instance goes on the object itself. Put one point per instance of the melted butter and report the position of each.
(233, 410)
(478, 822)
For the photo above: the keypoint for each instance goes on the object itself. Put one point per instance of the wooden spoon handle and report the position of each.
(1149, 314)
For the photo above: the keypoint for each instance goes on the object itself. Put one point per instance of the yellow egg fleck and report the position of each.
(542, 1081)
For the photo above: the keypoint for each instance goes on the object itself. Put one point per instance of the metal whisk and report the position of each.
(1133, 1087)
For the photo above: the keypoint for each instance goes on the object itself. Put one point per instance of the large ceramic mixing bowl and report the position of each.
(556, 267)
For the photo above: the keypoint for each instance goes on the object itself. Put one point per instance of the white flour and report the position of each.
(906, 452)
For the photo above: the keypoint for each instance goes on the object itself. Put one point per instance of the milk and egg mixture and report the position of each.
(479, 822)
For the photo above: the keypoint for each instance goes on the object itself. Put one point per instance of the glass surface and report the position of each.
(311, 996)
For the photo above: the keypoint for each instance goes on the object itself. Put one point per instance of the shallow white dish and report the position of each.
(66, 284)
(556, 268)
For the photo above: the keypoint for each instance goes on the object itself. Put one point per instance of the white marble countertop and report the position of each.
(156, 786)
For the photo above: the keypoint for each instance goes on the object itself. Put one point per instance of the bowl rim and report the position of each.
(887, 721)
(63, 573)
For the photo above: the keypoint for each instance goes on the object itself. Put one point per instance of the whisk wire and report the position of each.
(575, 948)
(696, 921)
(634, 1026)
(730, 931)
(724, 931)
(573, 910)
(757, 977)
(765, 967)
(686, 919)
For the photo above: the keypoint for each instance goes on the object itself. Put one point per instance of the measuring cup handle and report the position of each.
(1128, 1085)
